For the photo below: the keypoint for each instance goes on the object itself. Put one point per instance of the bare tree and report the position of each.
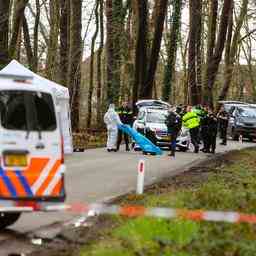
(27, 43)
(194, 99)
(110, 51)
(161, 8)
(233, 51)
(17, 25)
(172, 50)
(213, 64)
(91, 79)
(99, 61)
(52, 56)
(198, 61)
(75, 56)
(247, 46)
(64, 40)
(36, 36)
(211, 37)
(141, 49)
(4, 30)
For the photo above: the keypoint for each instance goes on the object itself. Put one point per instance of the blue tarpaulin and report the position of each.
(145, 144)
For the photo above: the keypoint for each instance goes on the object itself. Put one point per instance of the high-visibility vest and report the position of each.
(191, 120)
(199, 112)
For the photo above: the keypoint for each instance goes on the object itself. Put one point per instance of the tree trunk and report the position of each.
(36, 31)
(155, 49)
(199, 12)
(211, 36)
(233, 51)
(99, 61)
(75, 57)
(227, 69)
(135, 31)
(192, 53)
(27, 43)
(114, 13)
(141, 49)
(52, 56)
(110, 52)
(17, 25)
(118, 30)
(214, 62)
(172, 50)
(183, 50)
(247, 51)
(41, 24)
(64, 41)
(4, 30)
(91, 79)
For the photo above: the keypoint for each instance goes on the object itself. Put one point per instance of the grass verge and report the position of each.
(229, 186)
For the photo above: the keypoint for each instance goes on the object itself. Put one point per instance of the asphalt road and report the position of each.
(96, 176)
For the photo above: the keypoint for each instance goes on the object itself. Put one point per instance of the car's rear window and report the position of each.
(27, 111)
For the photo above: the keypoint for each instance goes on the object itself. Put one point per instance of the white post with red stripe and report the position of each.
(140, 177)
(241, 138)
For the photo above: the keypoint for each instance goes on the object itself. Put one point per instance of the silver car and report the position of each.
(151, 123)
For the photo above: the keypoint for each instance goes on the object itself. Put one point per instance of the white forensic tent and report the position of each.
(60, 93)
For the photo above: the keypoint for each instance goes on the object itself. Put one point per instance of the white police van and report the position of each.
(31, 149)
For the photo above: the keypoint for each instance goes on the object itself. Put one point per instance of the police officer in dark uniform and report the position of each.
(212, 130)
(126, 117)
(174, 124)
(204, 125)
(223, 118)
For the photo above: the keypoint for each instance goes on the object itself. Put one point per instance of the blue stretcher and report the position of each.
(145, 144)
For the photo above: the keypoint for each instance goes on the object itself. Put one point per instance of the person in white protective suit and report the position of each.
(112, 120)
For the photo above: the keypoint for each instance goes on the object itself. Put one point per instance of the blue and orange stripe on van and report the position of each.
(8, 183)
(16, 183)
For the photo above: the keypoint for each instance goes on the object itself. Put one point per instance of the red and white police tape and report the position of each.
(168, 213)
(135, 211)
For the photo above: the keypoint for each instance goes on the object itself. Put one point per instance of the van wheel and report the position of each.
(183, 149)
(7, 219)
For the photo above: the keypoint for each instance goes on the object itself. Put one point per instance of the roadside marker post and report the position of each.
(241, 138)
(140, 177)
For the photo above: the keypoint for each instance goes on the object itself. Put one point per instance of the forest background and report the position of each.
(181, 51)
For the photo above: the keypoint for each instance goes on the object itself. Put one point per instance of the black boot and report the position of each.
(172, 154)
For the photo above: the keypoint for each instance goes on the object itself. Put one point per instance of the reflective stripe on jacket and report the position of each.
(126, 115)
(191, 120)
(200, 113)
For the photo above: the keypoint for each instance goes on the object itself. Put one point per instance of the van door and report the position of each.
(30, 147)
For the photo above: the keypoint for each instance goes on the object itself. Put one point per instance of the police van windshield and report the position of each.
(27, 111)
(156, 117)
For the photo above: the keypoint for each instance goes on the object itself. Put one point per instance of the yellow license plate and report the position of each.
(167, 138)
(15, 160)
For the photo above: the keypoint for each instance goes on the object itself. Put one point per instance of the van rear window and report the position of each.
(27, 111)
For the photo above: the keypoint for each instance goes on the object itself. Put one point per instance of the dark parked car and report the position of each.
(242, 122)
